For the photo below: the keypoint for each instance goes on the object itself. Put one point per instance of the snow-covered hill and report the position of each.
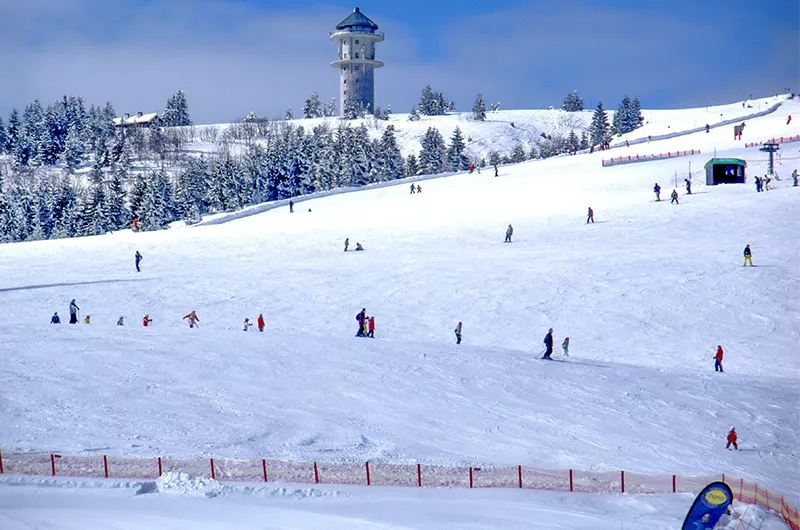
(646, 294)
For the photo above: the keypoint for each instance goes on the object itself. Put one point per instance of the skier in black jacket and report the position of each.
(548, 341)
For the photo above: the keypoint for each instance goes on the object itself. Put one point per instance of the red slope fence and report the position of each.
(781, 140)
(383, 474)
(647, 158)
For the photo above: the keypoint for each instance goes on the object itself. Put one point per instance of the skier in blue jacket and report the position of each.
(548, 341)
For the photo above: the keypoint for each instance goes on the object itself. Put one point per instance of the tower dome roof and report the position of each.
(357, 20)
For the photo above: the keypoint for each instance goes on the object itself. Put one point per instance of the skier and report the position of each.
(193, 319)
(121, 321)
(146, 320)
(413, 189)
(471, 168)
(55, 318)
(565, 347)
(718, 360)
(358, 246)
(794, 178)
(674, 197)
(590, 216)
(548, 341)
(419, 188)
(73, 312)
(458, 333)
(495, 169)
(88, 319)
(789, 119)
(135, 225)
(138, 258)
(657, 191)
(509, 232)
(732, 439)
(766, 180)
(708, 128)
(247, 324)
(688, 186)
(361, 317)
(291, 206)
(371, 327)
(759, 185)
(260, 322)
(748, 256)
(346, 243)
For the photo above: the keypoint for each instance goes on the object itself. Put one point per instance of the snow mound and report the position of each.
(183, 484)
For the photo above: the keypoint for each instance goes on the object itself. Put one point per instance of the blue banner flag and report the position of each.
(708, 507)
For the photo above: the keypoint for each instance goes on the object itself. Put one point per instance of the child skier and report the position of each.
(565, 347)
(193, 319)
(674, 197)
(260, 322)
(146, 320)
(458, 333)
(657, 191)
(88, 319)
(371, 327)
(247, 324)
(732, 439)
(718, 360)
(55, 319)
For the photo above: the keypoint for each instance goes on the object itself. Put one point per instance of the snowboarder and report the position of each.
(247, 324)
(565, 347)
(358, 246)
(73, 312)
(548, 342)
(458, 333)
(121, 321)
(718, 360)
(291, 206)
(748, 256)
(346, 243)
(260, 322)
(138, 258)
(413, 189)
(419, 188)
(509, 233)
(193, 319)
(688, 186)
(371, 327)
(88, 319)
(590, 216)
(55, 319)
(361, 318)
(732, 439)
(657, 191)
(147, 320)
(794, 178)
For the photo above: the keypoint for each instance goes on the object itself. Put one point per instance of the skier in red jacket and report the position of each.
(371, 327)
(732, 439)
(146, 320)
(718, 360)
(260, 322)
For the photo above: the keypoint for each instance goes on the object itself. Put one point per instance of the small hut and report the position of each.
(725, 171)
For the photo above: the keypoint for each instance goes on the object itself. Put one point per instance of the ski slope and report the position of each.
(645, 295)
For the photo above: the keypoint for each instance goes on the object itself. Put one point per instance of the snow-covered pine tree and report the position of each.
(35, 130)
(190, 190)
(157, 142)
(432, 154)
(13, 132)
(572, 102)
(518, 154)
(64, 208)
(116, 208)
(494, 107)
(3, 137)
(312, 107)
(157, 209)
(74, 149)
(330, 110)
(412, 166)
(94, 214)
(352, 108)
(456, 157)
(362, 156)
(414, 114)
(289, 116)
(479, 108)
(584, 140)
(600, 130)
(636, 108)
(389, 159)
(573, 142)
(176, 111)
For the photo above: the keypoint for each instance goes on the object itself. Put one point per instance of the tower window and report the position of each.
(356, 41)
(356, 55)
(345, 81)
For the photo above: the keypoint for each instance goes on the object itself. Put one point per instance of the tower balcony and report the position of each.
(377, 36)
(367, 62)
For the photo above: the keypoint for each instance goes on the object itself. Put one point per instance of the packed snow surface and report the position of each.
(645, 294)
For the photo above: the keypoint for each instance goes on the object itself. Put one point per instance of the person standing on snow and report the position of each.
(688, 186)
(371, 327)
(88, 319)
(361, 317)
(146, 320)
(458, 333)
(247, 324)
(748, 256)
(138, 258)
(794, 178)
(548, 342)
(121, 321)
(413, 189)
(260, 322)
(291, 206)
(193, 319)
(590, 216)
(674, 197)
(657, 191)
(509, 233)
(346, 243)
(73, 312)
(732, 439)
(565, 347)
(55, 318)
(718, 360)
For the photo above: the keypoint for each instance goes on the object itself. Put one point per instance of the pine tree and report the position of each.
(412, 166)
(599, 129)
(572, 141)
(115, 206)
(176, 111)
(389, 159)
(289, 116)
(3, 137)
(330, 110)
(157, 206)
(414, 114)
(584, 140)
(434, 103)
(190, 192)
(94, 214)
(518, 155)
(479, 108)
(352, 108)
(432, 155)
(456, 157)
(572, 102)
(74, 149)
(312, 107)
(13, 133)
(636, 108)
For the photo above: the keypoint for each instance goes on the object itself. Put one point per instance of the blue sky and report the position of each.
(232, 57)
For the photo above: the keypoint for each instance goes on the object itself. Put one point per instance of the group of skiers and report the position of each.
(347, 245)
(673, 195)
(762, 183)
(548, 344)
(415, 188)
(366, 325)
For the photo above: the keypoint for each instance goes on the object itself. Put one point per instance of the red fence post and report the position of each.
(519, 468)
(53, 463)
(741, 487)
(316, 473)
(419, 475)
(367, 465)
(160, 472)
(723, 477)
(570, 480)
(213, 474)
(264, 467)
(674, 484)
(1, 461)
(622, 475)
(105, 465)
(470, 477)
